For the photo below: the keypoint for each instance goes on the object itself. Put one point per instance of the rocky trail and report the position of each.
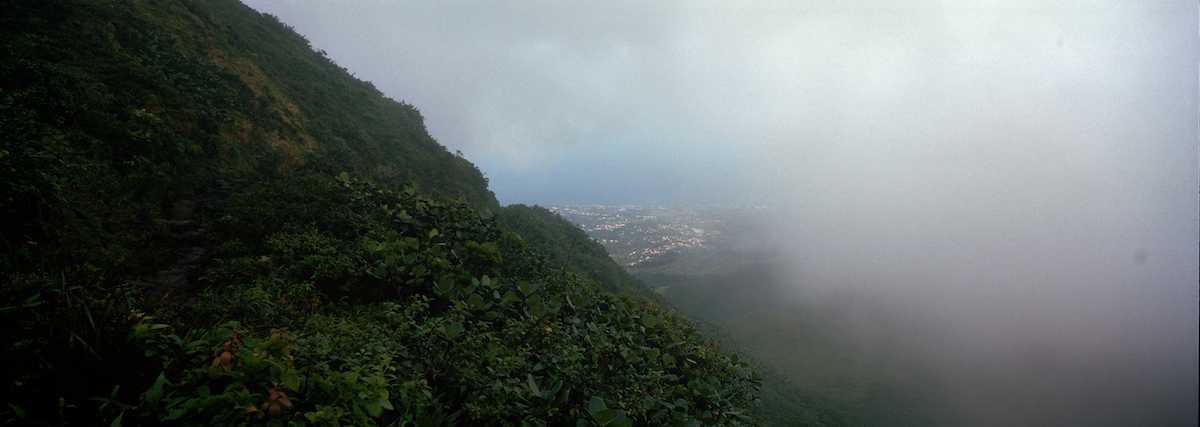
(190, 240)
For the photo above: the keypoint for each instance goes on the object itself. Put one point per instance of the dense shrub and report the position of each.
(363, 305)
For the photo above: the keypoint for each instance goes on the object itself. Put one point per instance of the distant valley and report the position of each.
(687, 240)
(720, 264)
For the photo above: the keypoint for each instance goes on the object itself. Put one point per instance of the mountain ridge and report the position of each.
(329, 285)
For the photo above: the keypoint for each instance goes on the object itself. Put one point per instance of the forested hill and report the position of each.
(207, 223)
(568, 245)
(109, 106)
(781, 403)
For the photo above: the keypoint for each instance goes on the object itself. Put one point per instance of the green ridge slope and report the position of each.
(110, 107)
(284, 296)
(567, 245)
(782, 403)
(853, 358)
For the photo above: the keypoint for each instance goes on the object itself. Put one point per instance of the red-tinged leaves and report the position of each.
(278, 397)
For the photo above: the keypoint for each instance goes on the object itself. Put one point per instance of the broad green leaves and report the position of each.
(649, 321)
(602, 416)
(452, 330)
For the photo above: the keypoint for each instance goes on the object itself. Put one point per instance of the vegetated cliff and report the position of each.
(207, 223)
(109, 107)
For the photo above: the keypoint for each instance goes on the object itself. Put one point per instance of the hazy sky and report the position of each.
(1027, 169)
(613, 102)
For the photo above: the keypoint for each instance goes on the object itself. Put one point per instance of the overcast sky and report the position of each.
(632, 102)
(1026, 168)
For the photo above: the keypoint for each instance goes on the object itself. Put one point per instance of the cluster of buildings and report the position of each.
(636, 234)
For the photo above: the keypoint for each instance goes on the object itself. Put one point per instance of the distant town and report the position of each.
(634, 235)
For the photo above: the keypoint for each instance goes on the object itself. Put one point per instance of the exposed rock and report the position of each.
(193, 237)
(212, 196)
(173, 284)
(183, 210)
(178, 226)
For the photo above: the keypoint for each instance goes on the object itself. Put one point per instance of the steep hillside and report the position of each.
(782, 402)
(567, 245)
(853, 358)
(732, 284)
(335, 302)
(207, 223)
(110, 107)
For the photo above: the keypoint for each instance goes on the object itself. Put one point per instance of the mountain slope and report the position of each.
(111, 107)
(783, 403)
(178, 251)
(854, 358)
(568, 245)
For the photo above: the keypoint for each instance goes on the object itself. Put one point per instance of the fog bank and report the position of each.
(1046, 213)
(1021, 182)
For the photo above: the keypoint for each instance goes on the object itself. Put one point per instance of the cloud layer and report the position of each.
(526, 89)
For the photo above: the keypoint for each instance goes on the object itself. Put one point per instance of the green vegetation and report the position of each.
(782, 402)
(290, 297)
(108, 108)
(380, 307)
(391, 294)
(730, 282)
(567, 245)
